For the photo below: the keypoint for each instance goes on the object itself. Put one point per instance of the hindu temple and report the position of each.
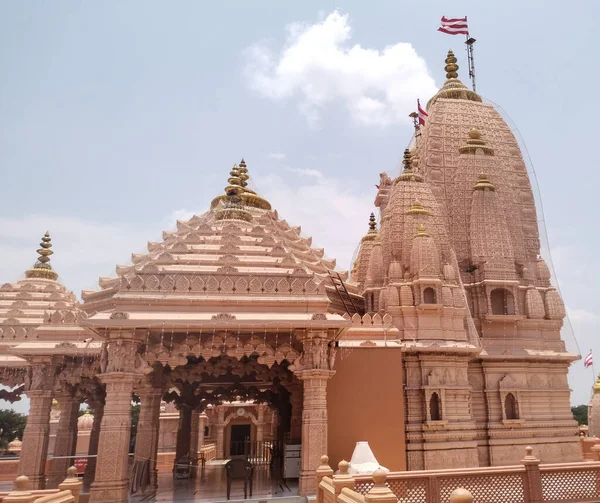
(441, 347)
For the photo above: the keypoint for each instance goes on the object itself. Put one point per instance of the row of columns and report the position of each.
(111, 482)
(36, 436)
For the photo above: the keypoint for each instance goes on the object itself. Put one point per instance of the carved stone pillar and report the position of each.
(39, 381)
(314, 426)
(146, 441)
(35, 439)
(313, 369)
(66, 439)
(296, 420)
(220, 426)
(111, 482)
(183, 432)
(90, 467)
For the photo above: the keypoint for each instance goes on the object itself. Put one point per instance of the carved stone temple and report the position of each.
(441, 347)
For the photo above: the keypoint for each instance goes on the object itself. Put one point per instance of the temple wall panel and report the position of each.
(365, 403)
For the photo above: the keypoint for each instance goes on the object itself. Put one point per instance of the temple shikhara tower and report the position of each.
(441, 347)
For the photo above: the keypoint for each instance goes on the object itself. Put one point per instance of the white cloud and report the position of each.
(276, 155)
(318, 65)
(311, 172)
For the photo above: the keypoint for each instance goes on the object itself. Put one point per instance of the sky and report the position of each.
(118, 118)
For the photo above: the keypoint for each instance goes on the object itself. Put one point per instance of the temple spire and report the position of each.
(42, 267)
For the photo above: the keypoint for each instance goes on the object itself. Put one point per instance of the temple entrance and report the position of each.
(225, 408)
(239, 439)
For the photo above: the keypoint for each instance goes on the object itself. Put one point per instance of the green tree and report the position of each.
(580, 414)
(12, 425)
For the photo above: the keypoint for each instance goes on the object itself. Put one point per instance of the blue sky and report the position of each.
(119, 117)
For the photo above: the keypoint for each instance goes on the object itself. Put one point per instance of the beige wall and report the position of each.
(365, 403)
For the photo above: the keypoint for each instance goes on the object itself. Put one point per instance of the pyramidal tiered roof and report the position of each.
(38, 300)
(236, 264)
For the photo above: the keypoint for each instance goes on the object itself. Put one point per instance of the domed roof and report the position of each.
(237, 263)
(15, 445)
(38, 300)
(85, 422)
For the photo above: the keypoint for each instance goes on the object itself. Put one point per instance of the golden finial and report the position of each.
(408, 174)
(372, 223)
(451, 66)
(243, 173)
(42, 268)
(421, 232)
(453, 88)
(417, 208)
(235, 183)
(474, 143)
(483, 183)
(597, 385)
(407, 160)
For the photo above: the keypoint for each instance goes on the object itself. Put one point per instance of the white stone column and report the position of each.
(220, 426)
(66, 440)
(203, 420)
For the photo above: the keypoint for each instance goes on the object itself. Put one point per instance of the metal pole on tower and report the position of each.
(415, 117)
(470, 42)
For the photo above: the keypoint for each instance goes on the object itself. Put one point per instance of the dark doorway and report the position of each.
(240, 439)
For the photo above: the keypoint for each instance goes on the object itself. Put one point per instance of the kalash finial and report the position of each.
(42, 268)
(483, 183)
(408, 174)
(451, 66)
(235, 182)
(372, 223)
(243, 173)
(421, 232)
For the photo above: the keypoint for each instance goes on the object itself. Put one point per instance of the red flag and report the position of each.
(454, 26)
(422, 114)
(589, 360)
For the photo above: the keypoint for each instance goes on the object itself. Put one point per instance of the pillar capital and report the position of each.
(40, 377)
(314, 374)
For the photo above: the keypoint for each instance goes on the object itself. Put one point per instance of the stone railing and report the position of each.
(67, 492)
(529, 482)
(208, 452)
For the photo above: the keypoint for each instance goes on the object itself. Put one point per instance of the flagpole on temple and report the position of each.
(415, 118)
(470, 42)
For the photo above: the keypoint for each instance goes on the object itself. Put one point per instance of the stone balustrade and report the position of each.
(529, 482)
(68, 491)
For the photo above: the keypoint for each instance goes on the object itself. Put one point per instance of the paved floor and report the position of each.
(210, 486)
